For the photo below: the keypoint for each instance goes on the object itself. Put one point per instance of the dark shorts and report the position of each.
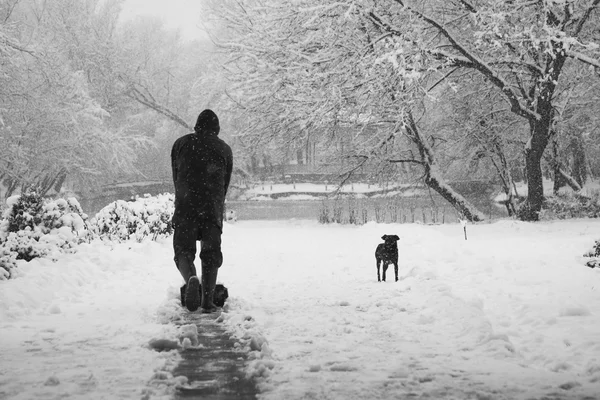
(187, 233)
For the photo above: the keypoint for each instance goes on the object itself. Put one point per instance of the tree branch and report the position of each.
(585, 17)
(9, 11)
(583, 58)
(383, 25)
(138, 96)
(405, 161)
(442, 79)
(568, 10)
(479, 65)
(468, 6)
(465, 62)
(17, 46)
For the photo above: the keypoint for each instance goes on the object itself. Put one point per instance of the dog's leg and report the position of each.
(378, 278)
(396, 270)
(385, 267)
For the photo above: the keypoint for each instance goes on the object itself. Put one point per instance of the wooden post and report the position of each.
(464, 224)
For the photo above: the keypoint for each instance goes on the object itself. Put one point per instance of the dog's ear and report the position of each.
(384, 237)
(395, 237)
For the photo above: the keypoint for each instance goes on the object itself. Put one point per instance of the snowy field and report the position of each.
(511, 313)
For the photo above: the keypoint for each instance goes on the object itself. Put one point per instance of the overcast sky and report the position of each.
(182, 14)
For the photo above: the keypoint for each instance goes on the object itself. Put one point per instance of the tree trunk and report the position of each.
(508, 184)
(561, 177)
(11, 186)
(541, 130)
(434, 179)
(569, 180)
(508, 187)
(60, 180)
(579, 170)
(462, 205)
(535, 185)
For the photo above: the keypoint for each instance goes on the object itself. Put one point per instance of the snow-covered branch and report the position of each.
(586, 15)
(148, 101)
(405, 160)
(468, 6)
(583, 58)
(478, 64)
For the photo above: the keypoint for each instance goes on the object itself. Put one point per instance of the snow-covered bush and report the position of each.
(525, 212)
(333, 211)
(8, 262)
(33, 227)
(146, 217)
(594, 254)
(565, 206)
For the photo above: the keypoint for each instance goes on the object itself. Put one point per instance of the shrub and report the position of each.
(565, 206)
(145, 217)
(337, 212)
(526, 213)
(332, 211)
(32, 227)
(324, 217)
(8, 263)
(594, 254)
(25, 212)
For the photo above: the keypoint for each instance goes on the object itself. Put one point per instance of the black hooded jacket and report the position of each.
(202, 165)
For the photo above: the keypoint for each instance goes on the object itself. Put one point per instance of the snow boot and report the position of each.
(192, 294)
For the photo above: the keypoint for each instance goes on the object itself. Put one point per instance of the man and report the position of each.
(202, 165)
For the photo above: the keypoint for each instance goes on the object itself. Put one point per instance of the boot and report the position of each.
(192, 294)
(221, 294)
(182, 294)
(209, 281)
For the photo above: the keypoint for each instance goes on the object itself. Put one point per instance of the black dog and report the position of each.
(388, 254)
(221, 294)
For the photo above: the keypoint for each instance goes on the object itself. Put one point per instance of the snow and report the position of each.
(510, 313)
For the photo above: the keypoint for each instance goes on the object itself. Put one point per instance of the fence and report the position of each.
(389, 210)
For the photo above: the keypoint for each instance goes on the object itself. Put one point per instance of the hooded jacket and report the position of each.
(202, 165)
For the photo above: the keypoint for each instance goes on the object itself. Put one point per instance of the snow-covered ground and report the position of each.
(510, 313)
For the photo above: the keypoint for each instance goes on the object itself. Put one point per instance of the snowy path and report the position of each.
(509, 314)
